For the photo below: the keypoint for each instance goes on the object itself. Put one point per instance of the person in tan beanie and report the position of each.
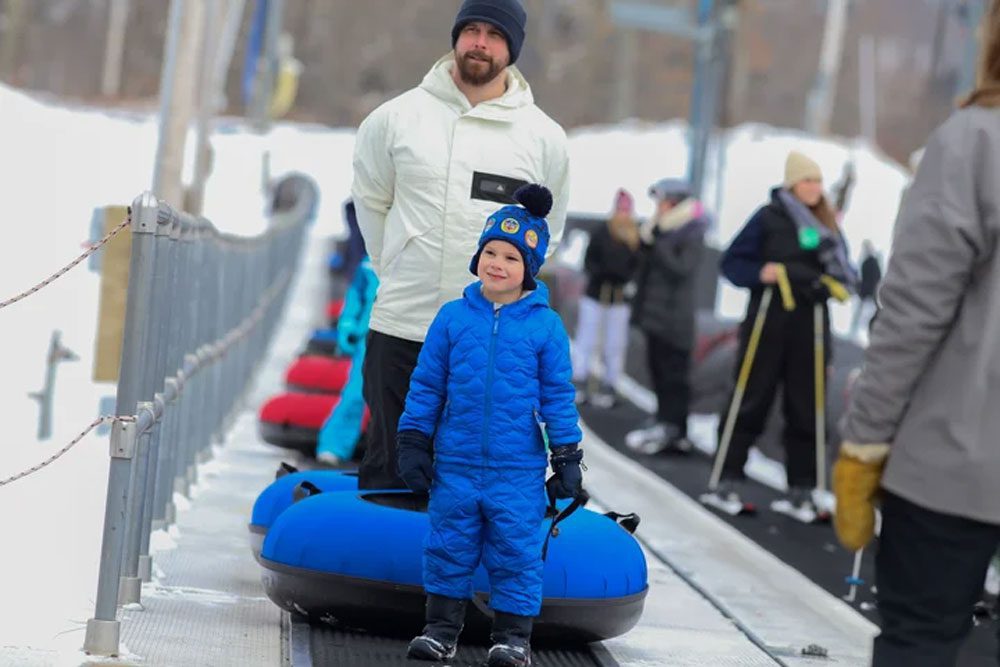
(800, 167)
(792, 247)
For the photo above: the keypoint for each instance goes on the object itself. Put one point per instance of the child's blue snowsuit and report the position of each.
(341, 430)
(487, 381)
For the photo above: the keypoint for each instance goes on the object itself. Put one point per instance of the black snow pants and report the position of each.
(670, 368)
(785, 357)
(929, 571)
(388, 365)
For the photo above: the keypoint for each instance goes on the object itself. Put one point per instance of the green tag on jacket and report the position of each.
(808, 238)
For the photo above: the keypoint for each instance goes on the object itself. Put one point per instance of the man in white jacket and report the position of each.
(429, 167)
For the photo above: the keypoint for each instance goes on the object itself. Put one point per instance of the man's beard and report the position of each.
(471, 70)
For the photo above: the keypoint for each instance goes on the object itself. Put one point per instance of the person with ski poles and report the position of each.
(673, 243)
(427, 164)
(792, 257)
(610, 263)
(492, 388)
(920, 435)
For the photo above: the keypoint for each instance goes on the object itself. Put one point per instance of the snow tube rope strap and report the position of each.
(285, 469)
(305, 489)
(628, 521)
(579, 500)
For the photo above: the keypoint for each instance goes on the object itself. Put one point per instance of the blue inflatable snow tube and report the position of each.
(282, 492)
(357, 557)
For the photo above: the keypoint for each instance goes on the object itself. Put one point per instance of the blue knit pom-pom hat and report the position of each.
(524, 227)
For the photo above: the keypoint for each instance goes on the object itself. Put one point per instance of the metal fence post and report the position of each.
(170, 364)
(192, 340)
(130, 586)
(165, 268)
(140, 508)
(103, 630)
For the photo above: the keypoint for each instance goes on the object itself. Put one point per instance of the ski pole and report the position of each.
(855, 579)
(820, 390)
(741, 385)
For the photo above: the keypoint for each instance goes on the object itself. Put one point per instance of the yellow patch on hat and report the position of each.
(510, 225)
(531, 238)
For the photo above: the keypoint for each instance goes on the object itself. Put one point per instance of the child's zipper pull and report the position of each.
(496, 321)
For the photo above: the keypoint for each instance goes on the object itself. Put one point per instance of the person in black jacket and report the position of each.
(796, 233)
(610, 263)
(664, 310)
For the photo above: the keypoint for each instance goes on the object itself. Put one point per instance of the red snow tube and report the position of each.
(293, 420)
(318, 374)
(333, 309)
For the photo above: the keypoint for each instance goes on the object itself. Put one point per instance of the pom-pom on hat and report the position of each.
(524, 227)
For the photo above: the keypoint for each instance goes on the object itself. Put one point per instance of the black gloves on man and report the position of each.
(414, 461)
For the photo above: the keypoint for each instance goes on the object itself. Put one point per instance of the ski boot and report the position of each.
(511, 639)
(680, 445)
(800, 505)
(727, 499)
(652, 440)
(439, 640)
(635, 439)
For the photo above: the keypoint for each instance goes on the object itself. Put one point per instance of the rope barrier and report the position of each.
(97, 422)
(58, 274)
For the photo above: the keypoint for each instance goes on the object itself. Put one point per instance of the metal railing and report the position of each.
(202, 307)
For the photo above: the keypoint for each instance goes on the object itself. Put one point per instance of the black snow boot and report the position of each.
(511, 638)
(438, 641)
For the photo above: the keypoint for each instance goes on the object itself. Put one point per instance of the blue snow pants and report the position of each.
(489, 515)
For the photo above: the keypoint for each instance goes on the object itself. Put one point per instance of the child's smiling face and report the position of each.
(501, 268)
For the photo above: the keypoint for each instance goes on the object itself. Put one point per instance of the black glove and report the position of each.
(568, 478)
(818, 291)
(414, 462)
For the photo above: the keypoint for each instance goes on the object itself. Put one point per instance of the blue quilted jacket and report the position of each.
(489, 381)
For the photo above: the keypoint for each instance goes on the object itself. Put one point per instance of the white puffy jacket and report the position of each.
(425, 165)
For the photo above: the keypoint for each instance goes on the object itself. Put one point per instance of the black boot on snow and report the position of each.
(508, 655)
(511, 641)
(426, 647)
(445, 618)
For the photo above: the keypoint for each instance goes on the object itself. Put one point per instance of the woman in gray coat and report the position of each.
(923, 427)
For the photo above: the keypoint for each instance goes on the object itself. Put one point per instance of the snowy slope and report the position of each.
(56, 165)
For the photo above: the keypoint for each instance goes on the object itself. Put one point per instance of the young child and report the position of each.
(494, 372)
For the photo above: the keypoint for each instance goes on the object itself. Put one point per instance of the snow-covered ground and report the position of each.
(58, 163)
(56, 166)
